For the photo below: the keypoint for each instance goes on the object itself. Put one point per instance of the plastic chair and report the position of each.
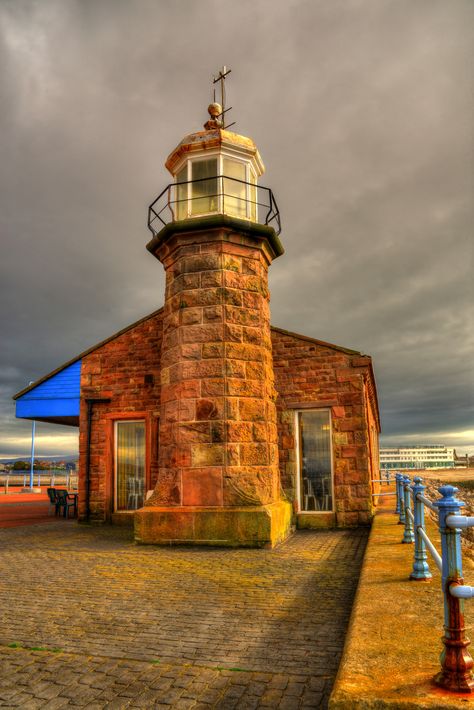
(53, 500)
(66, 501)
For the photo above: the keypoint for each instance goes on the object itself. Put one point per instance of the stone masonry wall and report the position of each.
(218, 435)
(127, 369)
(309, 374)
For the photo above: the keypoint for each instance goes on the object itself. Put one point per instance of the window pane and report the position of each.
(235, 202)
(315, 460)
(130, 465)
(182, 194)
(253, 197)
(204, 194)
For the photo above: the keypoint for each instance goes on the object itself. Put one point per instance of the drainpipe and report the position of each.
(90, 403)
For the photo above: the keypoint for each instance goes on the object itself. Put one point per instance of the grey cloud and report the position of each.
(361, 110)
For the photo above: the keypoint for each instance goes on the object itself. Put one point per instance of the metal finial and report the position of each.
(216, 110)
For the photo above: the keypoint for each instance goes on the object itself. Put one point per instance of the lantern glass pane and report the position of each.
(204, 197)
(253, 197)
(235, 198)
(182, 194)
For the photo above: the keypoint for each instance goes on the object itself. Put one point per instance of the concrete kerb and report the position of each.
(393, 641)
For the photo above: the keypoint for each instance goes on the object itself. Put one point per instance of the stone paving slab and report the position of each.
(122, 625)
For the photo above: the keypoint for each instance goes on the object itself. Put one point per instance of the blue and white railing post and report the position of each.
(397, 489)
(456, 661)
(408, 532)
(420, 565)
(401, 498)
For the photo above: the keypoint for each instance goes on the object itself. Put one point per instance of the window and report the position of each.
(182, 194)
(217, 184)
(129, 464)
(204, 196)
(235, 189)
(314, 429)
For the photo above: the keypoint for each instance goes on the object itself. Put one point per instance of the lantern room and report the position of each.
(215, 172)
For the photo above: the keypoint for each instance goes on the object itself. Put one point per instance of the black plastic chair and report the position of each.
(53, 500)
(66, 501)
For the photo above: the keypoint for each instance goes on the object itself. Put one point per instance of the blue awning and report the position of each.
(55, 399)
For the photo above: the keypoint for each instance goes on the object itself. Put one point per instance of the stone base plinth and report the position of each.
(262, 526)
(315, 521)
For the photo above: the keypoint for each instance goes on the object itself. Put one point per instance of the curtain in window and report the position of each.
(315, 460)
(130, 465)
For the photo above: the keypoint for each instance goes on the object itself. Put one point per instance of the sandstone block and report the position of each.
(212, 387)
(192, 433)
(202, 486)
(240, 431)
(201, 333)
(213, 314)
(210, 279)
(207, 455)
(191, 316)
(208, 409)
(251, 410)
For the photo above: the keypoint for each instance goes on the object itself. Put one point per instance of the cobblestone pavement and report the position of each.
(90, 619)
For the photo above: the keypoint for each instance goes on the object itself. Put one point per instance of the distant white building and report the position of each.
(417, 457)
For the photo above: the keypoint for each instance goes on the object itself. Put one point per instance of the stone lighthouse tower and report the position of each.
(218, 480)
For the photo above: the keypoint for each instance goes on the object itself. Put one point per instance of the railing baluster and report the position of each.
(408, 531)
(401, 500)
(456, 661)
(420, 566)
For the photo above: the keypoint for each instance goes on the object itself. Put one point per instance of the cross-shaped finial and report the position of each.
(220, 78)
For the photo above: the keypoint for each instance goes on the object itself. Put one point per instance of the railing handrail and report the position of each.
(272, 214)
(456, 661)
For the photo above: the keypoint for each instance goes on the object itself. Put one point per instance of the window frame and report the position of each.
(126, 420)
(251, 180)
(299, 472)
(151, 429)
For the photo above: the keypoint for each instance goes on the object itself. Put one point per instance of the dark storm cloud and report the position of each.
(361, 110)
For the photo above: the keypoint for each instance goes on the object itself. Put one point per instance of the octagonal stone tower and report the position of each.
(218, 481)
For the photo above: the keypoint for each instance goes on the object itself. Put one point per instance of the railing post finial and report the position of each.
(456, 661)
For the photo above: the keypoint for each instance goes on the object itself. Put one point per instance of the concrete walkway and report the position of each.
(90, 619)
(394, 639)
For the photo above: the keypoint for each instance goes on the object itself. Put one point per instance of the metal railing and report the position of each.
(456, 661)
(41, 478)
(387, 478)
(214, 195)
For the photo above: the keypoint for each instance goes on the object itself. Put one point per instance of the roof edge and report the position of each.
(86, 352)
(348, 351)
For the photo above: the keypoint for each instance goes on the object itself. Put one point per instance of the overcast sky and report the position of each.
(362, 112)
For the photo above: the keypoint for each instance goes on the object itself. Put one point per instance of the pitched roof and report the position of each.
(87, 352)
(148, 317)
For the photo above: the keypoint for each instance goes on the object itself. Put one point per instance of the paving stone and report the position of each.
(200, 613)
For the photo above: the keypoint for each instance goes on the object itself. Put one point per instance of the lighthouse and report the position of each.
(215, 231)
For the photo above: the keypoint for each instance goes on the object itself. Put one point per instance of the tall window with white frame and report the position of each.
(216, 184)
(315, 459)
(129, 464)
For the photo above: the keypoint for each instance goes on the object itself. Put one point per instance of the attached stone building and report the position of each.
(202, 422)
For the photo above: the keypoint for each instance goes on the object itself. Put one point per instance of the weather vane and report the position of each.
(216, 110)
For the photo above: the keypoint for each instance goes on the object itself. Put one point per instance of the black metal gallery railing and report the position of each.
(214, 195)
